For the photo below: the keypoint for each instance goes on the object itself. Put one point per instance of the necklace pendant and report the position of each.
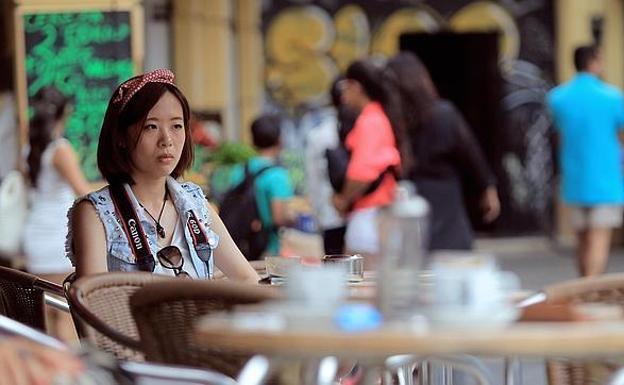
(161, 231)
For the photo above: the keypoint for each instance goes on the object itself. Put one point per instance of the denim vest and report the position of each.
(185, 196)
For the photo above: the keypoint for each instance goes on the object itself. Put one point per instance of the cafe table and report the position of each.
(545, 340)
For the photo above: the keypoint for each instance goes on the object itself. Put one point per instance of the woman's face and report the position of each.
(161, 139)
(351, 93)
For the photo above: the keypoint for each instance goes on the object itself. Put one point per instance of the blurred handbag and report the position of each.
(13, 212)
(337, 163)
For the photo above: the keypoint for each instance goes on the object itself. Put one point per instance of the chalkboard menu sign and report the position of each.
(85, 54)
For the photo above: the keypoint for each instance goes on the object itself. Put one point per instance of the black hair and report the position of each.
(266, 131)
(48, 106)
(345, 115)
(335, 93)
(413, 93)
(369, 76)
(118, 140)
(583, 55)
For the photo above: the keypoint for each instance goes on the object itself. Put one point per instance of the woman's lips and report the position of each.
(166, 158)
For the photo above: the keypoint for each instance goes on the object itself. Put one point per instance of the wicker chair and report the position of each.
(22, 297)
(101, 311)
(608, 289)
(165, 313)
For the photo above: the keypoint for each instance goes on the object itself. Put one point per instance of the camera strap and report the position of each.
(132, 227)
(200, 241)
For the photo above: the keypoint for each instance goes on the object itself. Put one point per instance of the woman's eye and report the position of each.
(150, 127)
(178, 126)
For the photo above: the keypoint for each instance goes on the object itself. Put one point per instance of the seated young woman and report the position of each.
(146, 219)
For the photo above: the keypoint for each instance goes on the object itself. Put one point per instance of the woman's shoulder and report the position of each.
(97, 198)
(185, 193)
(188, 187)
(444, 115)
(61, 143)
(443, 107)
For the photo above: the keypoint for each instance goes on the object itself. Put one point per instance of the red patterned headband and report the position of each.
(128, 89)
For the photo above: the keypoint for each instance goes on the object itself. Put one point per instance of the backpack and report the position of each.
(239, 212)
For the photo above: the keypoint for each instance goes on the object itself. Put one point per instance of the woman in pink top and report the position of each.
(374, 162)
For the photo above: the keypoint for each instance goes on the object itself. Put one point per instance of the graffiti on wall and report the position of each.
(308, 43)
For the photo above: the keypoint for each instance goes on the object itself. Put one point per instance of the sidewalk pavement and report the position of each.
(540, 262)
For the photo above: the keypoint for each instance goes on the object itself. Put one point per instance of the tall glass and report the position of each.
(404, 237)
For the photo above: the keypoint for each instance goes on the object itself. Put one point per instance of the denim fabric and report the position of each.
(185, 197)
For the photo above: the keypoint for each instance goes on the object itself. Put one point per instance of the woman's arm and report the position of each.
(89, 240)
(352, 190)
(66, 163)
(281, 214)
(471, 158)
(228, 257)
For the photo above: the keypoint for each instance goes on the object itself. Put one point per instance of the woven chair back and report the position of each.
(166, 313)
(22, 297)
(608, 289)
(100, 306)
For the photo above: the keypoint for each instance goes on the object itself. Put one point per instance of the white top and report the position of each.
(178, 241)
(321, 135)
(44, 235)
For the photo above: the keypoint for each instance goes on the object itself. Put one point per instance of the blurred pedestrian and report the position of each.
(55, 179)
(374, 159)
(442, 150)
(273, 188)
(589, 114)
(320, 137)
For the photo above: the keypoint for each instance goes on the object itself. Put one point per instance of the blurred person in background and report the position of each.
(147, 219)
(8, 122)
(273, 187)
(374, 155)
(322, 136)
(55, 180)
(443, 149)
(589, 115)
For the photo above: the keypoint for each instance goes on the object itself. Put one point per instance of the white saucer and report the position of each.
(462, 318)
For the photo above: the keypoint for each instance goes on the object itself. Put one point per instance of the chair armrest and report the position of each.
(174, 373)
(90, 319)
(49, 287)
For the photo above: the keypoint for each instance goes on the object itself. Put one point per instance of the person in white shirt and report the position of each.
(55, 180)
(322, 128)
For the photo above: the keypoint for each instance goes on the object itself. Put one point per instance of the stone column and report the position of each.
(202, 51)
(250, 63)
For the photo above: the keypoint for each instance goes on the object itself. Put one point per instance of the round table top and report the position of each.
(569, 339)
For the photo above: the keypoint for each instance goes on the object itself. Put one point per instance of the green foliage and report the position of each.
(201, 159)
(221, 161)
(229, 153)
(294, 163)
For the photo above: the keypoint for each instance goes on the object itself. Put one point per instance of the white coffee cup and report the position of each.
(321, 286)
(468, 286)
